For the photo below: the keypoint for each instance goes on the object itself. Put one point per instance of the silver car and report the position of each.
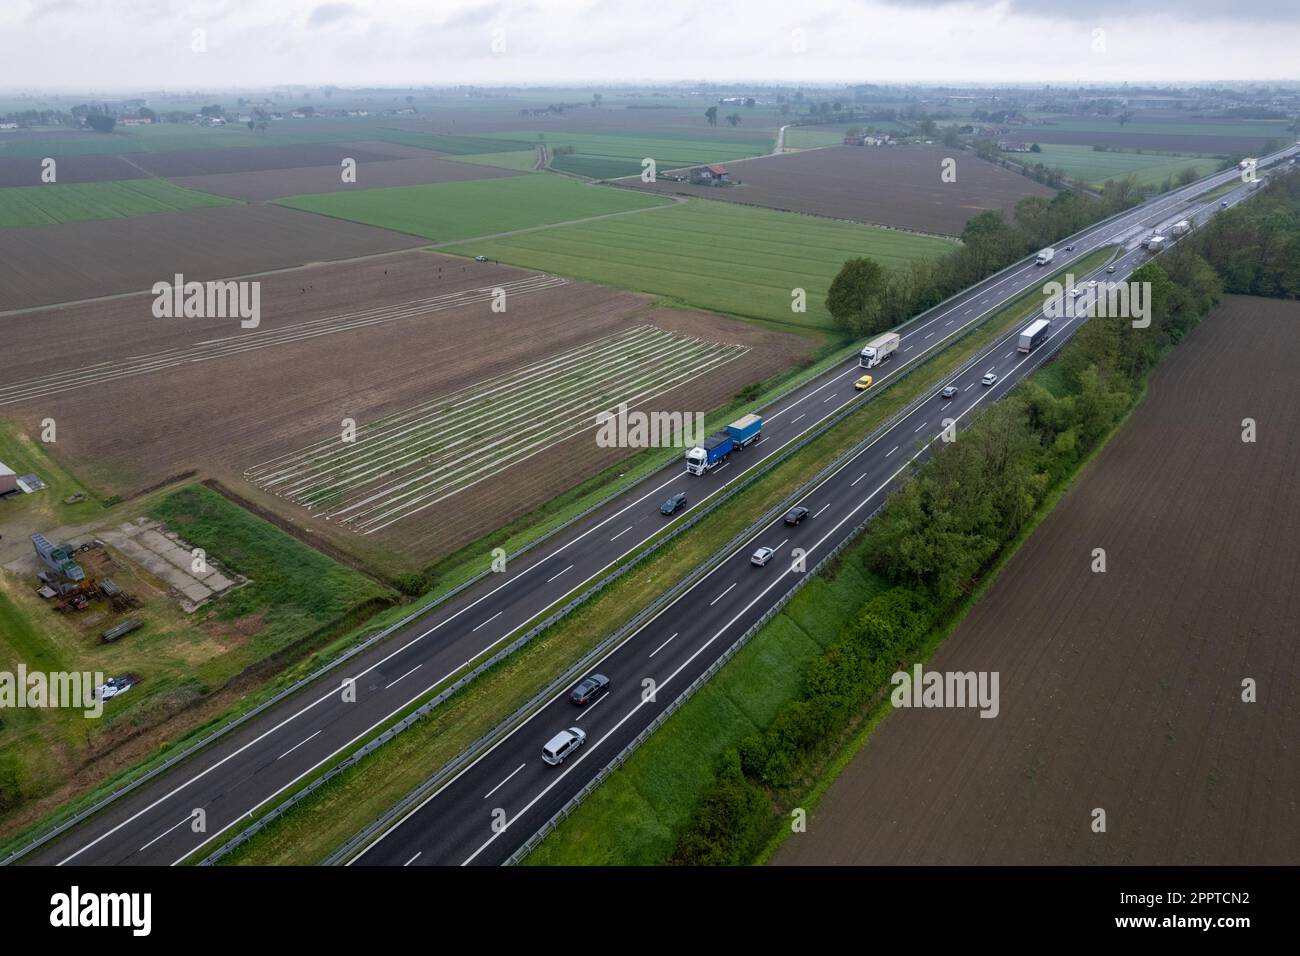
(563, 744)
(989, 379)
(761, 556)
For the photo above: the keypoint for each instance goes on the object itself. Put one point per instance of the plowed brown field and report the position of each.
(890, 186)
(77, 260)
(277, 183)
(228, 413)
(1122, 690)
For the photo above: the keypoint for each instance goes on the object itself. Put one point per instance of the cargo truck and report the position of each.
(878, 349)
(1033, 335)
(715, 449)
(1181, 228)
(1045, 256)
(1153, 243)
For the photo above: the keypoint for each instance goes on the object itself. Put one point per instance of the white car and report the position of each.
(761, 556)
(1076, 292)
(1110, 268)
(989, 378)
(1092, 283)
(563, 744)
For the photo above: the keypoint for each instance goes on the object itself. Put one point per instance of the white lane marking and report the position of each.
(404, 676)
(919, 427)
(187, 819)
(503, 782)
(1009, 354)
(621, 533)
(781, 545)
(616, 649)
(664, 644)
(299, 744)
(969, 387)
(413, 859)
(553, 577)
(819, 511)
(488, 621)
(891, 451)
(1123, 223)
(722, 595)
(857, 479)
(793, 420)
(828, 398)
(928, 335)
(590, 707)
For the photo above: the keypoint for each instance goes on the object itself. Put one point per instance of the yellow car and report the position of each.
(863, 383)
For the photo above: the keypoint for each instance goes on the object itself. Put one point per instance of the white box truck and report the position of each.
(878, 349)
(1045, 256)
(1181, 228)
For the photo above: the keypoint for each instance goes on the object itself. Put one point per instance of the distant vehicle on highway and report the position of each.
(760, 557)
(796, 514)
(673, 504)
(589, 690)
(1076, 292)
(1031, 336)
(1223, 204)
(742, 432)
(1069, 248)
(480, 258)
(949, 392)
(878, 349)
(863, 383)
(1110, 268)
(563, 744)
(989, 378)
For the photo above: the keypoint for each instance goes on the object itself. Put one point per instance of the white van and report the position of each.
(563, 744)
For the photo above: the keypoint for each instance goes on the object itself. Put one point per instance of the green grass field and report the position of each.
(450, 211)
(168, 137)
(521, 160)
(457, 145)
(713, 255)
(78, 202)
(1083, 162)
(609, 156)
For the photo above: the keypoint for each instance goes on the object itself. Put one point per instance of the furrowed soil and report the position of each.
(890, 186)
(44, 265)
(262, 185)
(222, 416)
(1122, 690)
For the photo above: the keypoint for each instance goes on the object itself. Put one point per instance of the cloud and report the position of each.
(1094, 10)
(328, 13)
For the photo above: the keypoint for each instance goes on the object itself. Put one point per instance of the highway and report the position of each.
(256, 763)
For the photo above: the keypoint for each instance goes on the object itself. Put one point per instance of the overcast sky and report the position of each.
(122, 44)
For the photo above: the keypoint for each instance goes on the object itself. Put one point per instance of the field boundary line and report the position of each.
(366, 643)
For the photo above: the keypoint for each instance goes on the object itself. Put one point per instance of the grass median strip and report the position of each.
(361, 794)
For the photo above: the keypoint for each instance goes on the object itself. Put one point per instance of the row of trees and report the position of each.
(1256, 245)
(866, 298)
(937, 536)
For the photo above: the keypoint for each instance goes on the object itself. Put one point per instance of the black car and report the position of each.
(673, 504)
(1069, 248)
(589, 690)
(949, 392)
(796, 514)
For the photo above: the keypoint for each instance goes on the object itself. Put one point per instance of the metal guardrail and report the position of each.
(689, 691)
(81, 816)
(355, 844)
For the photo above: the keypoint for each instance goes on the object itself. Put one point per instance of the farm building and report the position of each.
(710, 175)
(8, 479)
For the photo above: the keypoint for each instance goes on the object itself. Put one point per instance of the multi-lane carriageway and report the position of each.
(258, 762)
(492, 807)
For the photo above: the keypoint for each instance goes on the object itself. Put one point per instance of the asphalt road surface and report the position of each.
(256, 763)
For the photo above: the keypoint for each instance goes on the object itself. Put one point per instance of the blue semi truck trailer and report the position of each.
(715, 449)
